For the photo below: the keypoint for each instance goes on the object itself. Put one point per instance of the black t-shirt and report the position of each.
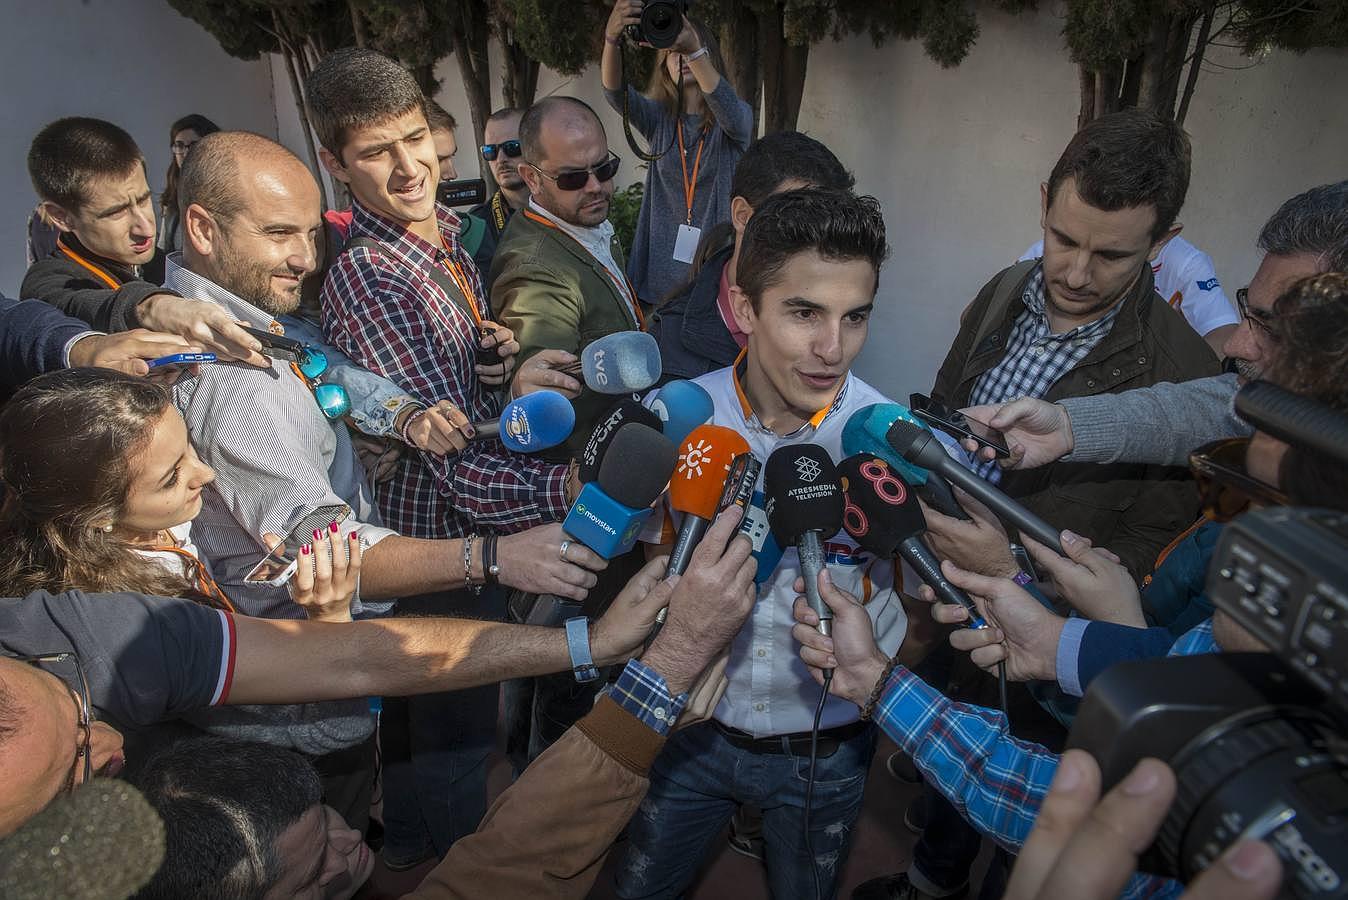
(147, 658)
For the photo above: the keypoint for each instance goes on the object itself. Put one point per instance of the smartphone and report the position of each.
(181, 359)
(277, 346)
(464, 192)
(278, 565)
(957, 424)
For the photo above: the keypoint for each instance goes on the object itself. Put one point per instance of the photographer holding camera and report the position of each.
(695, 124)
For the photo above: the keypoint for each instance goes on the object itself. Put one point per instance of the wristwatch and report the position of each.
(578, 642)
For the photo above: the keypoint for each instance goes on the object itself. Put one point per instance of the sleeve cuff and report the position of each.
(643, 692)
(1069, 653)
(621, 736)
(1094, 428)
(70, 344)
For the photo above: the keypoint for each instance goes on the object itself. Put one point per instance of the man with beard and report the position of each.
(501, 152)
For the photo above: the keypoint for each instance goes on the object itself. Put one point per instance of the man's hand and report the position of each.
(1037, 432)
(707, 606)
(1087, 850)
(379, 456)
(1020, 630)
(202, 323)
(1091, 579)
(625, 12)
(856, 660)
(441, 430)
(704, 696)
(127, 351)
(503, 340)
(979, 544)
(532, 561)
(541, 372)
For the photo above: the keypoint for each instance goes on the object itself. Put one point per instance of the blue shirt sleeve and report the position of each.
(642, 691)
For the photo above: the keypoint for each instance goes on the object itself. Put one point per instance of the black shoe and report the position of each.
(898, 887)
(915, 816)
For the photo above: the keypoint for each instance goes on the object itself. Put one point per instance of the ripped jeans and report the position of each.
(699, 779)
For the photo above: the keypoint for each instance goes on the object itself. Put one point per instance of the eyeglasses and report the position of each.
(83, 752)
(1224, 486)
(1260, 319)
(309, 363)
(511, 149)
(576, 180)
(182, 146)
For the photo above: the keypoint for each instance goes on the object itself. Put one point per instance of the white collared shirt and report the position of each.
(598, 242)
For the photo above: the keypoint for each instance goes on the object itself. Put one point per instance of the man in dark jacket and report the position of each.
(502, 152)
(694, 324)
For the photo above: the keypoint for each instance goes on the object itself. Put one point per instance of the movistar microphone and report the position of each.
(921, 447)
(621, 363)
(608, 514)
(624, 412)
(867, 431)
(534, 422)
(681, 406)
(698, 484)
(805, 506)
(883, 517)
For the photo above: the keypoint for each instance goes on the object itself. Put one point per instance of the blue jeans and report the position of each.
(700, 778)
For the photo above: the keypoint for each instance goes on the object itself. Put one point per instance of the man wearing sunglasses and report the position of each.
(501, 152)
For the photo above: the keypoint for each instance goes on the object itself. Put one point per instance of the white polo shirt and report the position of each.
(1187, 280)
(770, 691)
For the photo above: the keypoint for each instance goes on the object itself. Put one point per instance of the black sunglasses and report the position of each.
(576, 180)
(511, 149)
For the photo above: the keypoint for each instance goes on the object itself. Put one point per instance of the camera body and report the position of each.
(661, 22)
(464, 192)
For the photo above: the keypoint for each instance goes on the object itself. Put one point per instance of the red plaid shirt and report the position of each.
(381, 308)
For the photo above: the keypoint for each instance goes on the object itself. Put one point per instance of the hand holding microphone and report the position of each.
(531, 423)
(696, 488)
(867, 431)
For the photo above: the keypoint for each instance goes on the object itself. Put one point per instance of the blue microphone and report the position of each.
(621, 363)
(609, 513)
(534, 422)
(681, 406)
(867, 431)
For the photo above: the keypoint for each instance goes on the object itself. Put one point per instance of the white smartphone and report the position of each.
(277, 567)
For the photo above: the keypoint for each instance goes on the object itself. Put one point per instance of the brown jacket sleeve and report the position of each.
(548, 834)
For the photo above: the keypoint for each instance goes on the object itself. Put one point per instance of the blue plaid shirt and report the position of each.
(643, 692)
(995, 780)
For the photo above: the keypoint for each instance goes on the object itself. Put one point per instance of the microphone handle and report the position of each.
(936, 491)
(485, 431)
(999, 503)
(928, 568)
(811, 549)
(690, 535)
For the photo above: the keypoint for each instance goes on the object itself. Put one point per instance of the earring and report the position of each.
(107, 529)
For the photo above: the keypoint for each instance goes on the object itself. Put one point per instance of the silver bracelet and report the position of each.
(698, 54)
(468, 565)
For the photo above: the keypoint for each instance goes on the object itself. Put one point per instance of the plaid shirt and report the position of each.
(643, 692)
(996, 781)
(383, 310)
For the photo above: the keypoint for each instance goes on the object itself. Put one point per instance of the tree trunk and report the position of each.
(358, 25)
(297, 92)
(1131, 86)
(470, 37)
(1086, 87)
(1200, 48)
(519, 80)
(1107, 83)
(784, 66)
(740, 48)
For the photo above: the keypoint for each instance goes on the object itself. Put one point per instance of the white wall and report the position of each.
(134, 62)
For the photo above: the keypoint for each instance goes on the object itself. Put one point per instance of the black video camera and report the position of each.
(464, 192)
(661, 22)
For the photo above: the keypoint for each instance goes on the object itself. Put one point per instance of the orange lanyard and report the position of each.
(93, 269)
(1170, 548)
(463, 283)
(624, 286)
(690, 187)
(205, 583)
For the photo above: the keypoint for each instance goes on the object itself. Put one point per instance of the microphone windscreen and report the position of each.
(881, 511)
(637, 467)
(681, 406)
(803, 494)
(867, 431)
(625, 411)
(101, 842)
(621, 363)
(704, 462)
(537, 421)
(916, 444)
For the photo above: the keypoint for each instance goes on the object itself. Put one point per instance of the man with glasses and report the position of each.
(501, 152)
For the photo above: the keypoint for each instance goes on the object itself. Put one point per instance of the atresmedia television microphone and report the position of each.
(610, 511)
(624, 412)
(681, 406)
(883, 517)
(867, 430)
(921, 447)
(697, 484)
(536, 421)
(621, 363)
(805, 506)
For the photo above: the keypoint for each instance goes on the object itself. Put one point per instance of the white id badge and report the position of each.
(685, 245)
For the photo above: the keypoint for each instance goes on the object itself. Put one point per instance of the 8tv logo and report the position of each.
(886, 486)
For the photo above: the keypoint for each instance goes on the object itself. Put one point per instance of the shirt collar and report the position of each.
(747, 410)
(398, 237)
(592, 238)
(1036, 304)
(184, 281)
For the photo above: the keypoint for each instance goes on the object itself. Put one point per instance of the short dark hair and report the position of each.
(504, 113)
(1314, 222)
(784, 156)
(838, 225)
(224, 803)
(439, 118)
(1128, 159)
(69, 152)
(355, 87)
(531, 125)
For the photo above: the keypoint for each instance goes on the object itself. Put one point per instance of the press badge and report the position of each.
(685, 245)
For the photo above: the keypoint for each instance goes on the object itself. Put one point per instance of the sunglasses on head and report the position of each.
(1225, 488)
(509, 148)
(576, 180)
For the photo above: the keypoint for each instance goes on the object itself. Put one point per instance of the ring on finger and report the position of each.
(566, 545)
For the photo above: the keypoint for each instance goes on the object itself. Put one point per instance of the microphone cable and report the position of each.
(809, 781)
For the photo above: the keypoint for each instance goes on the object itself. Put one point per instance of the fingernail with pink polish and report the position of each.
(306, 549)
(333, 527)
(317, 534)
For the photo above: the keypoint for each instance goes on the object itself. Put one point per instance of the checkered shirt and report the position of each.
(643, 692)
(381, 308)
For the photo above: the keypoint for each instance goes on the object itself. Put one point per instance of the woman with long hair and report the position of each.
(183, 134)
(101, 486)
(691, 114)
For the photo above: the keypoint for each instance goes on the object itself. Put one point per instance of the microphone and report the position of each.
(623, 412)
(697, 485)
(621, 363)
(101, 842)
(867, 431)
(681, 407)
(805, 506)
(534, 422)
(609, 512)
(883, 517)
(920, 446)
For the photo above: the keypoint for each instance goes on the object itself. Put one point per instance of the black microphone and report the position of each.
(882, 515)
(596, 448)
(919, 446)
(805, 506)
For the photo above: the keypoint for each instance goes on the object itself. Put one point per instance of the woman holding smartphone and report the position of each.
(101, 487)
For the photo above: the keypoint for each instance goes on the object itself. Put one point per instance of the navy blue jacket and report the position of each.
(33, 336)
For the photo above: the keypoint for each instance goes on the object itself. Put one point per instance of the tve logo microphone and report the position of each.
(600, 376)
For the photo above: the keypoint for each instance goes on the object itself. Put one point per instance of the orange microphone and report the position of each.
(695, 489)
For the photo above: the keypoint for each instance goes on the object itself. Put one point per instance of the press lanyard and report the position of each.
(690, 187)
(205, 583)
(93, 269)
(624, 286)
(462, 282)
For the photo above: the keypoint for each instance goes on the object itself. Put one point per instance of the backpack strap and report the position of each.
(1007, 284)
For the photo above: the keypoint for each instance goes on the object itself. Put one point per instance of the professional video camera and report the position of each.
(1256, 740)
(661, 22)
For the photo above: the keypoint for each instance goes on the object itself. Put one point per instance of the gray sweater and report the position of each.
(1159, 425)
(650, 264)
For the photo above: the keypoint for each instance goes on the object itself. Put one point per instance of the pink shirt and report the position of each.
(723, 303)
